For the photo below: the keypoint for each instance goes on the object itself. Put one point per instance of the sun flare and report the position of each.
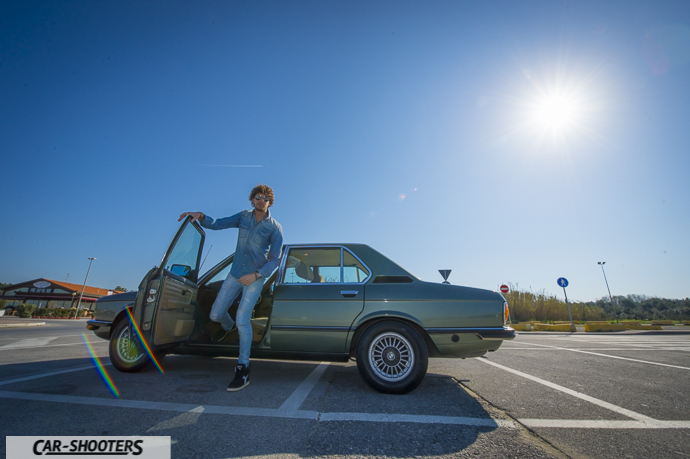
(556, 113)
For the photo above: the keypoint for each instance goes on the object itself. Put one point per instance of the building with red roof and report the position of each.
(48, 293)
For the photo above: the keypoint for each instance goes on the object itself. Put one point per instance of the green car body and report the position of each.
(328, 302)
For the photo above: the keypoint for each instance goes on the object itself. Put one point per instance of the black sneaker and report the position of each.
(222, 333)
(241, 378)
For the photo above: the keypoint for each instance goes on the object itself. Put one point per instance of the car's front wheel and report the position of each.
(392, 357)
(126, 352)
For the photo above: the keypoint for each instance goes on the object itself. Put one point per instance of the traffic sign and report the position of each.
(504, 288)
(445, 273)
(562, 282)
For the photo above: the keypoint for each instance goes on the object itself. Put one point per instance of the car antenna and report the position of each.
(202, 263)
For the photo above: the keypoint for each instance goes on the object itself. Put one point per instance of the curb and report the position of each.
(25, 324)
(618, 333)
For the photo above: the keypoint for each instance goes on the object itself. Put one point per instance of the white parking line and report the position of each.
(300, 394)
(622, 349)
(262, 412)
(611, 356)
(45, 375)
(30, 342)
(641, 418)
(162, 406)
(602, 424)
(55, 345)
(289, 409)
(418, 418)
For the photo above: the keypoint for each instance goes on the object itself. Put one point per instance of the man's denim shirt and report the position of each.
(252, 252)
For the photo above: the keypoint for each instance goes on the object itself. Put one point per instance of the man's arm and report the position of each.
(273, 254)
(195, 216)
(209, 223)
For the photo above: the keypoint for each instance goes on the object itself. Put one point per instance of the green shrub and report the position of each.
(3, 304)
(42, 312)
(24, 310)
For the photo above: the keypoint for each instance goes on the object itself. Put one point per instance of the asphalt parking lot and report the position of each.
(542, 395)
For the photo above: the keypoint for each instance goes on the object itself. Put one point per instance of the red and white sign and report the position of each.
(504, 288)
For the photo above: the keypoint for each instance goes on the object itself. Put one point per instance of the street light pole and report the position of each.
(76, 313)
(602, 263)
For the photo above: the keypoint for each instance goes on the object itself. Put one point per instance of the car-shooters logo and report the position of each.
(86, 447)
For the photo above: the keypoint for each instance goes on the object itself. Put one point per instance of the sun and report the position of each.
(556, 108)
(556, 113)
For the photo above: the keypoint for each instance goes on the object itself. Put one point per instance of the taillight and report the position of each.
(506, 312)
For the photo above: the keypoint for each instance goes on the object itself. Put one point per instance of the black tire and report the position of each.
(126, 352)
(392, 357)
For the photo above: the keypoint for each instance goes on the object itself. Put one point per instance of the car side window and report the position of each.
(353, 269)
(184, 257)
(312, 265)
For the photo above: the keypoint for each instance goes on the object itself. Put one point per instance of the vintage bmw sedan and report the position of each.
(330, 302)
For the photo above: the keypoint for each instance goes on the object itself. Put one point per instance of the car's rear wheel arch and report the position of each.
(431, 347)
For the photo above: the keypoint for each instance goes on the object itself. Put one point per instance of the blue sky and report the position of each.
(512, 142)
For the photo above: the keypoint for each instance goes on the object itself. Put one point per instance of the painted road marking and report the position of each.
(601, 424)
(45, 375)
(261, 412)
(300, 394)
(418, 418)
(53, 345)
(611, 356)
(289, 409)
(641, 418)
(30, 342)
(624, 349)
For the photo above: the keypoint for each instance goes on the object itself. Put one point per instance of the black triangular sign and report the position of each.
(445, 273)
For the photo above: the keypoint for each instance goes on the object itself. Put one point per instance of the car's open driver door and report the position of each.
(170, 299)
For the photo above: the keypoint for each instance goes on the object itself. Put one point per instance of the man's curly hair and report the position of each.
(265, 190)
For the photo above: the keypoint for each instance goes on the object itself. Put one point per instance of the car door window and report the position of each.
(183, 260)
(313, 265)
(353, 269)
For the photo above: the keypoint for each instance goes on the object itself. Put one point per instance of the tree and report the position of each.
(120, 289)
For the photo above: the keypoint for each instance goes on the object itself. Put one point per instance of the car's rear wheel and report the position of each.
(126, 352)
(392, 357)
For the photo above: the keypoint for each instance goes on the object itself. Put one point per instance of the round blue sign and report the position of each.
(562, 281)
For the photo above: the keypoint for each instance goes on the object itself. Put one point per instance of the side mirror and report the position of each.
(180, 270)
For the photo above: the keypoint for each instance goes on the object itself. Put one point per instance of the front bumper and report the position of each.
(100, 328)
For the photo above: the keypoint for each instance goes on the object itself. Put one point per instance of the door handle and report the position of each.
(349, 293)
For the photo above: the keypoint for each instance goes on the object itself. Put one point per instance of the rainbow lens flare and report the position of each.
(143, 341)
(101, 369)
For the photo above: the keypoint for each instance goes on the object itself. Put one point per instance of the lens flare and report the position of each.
(101, 369)
(143, 341)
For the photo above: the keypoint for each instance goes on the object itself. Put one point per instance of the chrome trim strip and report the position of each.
(342, 269)
(300, 328)
(469, 330)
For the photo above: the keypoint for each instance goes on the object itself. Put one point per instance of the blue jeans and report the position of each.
(219, 311)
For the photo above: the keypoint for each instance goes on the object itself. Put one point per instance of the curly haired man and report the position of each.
(257, 254)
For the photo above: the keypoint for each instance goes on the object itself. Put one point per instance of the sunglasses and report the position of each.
(260, 197)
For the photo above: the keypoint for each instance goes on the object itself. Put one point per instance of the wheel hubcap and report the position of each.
(127, 348)
(391, 356)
